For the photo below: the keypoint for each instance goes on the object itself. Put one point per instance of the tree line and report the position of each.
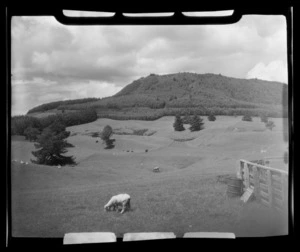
(28, 125)
(60, 104)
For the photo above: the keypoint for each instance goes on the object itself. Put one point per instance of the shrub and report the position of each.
(211, 117)
(247, 118)
(178, 124)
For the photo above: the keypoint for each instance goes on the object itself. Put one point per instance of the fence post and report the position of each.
(240, 170)
(270, 190)
(246, 175)
(256, 182)
(284, 182)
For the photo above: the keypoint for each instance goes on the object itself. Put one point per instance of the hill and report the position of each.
(206, 88)
(158, 95)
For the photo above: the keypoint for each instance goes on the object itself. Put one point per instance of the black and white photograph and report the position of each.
(149, 131)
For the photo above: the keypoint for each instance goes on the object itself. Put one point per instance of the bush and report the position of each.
(178, 124)
(247, 118)
(211, 117)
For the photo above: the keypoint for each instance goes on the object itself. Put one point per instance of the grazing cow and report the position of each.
(22, 162)
(117, 200)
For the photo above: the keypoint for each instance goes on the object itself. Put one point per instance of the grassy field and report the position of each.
(189, 194)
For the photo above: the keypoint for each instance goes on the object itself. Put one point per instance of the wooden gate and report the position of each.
(269, 185)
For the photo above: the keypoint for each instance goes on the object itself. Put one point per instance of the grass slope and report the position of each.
(187, 195)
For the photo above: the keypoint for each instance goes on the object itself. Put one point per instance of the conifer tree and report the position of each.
(196, 123)
(178, 124)
(52, 144)
(105, 136)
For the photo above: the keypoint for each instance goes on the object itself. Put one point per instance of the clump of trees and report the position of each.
(178, 124)
(105, 136)
(196, 123)
(51, 145)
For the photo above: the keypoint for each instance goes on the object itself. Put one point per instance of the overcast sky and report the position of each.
(52, 62)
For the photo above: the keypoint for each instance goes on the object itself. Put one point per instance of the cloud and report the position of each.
(53, 61)
(274, 71)
(27, 94)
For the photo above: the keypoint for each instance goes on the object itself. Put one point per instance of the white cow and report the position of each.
(117, 200)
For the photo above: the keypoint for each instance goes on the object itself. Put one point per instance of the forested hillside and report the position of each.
(157, 95)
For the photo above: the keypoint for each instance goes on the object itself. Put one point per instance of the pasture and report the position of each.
(187, 195)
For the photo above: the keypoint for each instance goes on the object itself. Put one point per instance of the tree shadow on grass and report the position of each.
(109, 144)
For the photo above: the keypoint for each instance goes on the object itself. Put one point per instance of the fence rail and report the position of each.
(269, 185)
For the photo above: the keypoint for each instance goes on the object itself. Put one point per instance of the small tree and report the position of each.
(247, 118)
(105, 136)
(196, 124)
(270, 125)
(178, 124)
(211, 117)
(31, 133)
